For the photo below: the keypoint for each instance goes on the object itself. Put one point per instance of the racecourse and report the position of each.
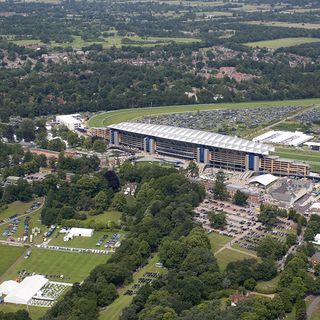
(116, 116)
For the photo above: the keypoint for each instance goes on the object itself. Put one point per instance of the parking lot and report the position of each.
(242, 223)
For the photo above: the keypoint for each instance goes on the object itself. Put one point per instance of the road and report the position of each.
(313, 306)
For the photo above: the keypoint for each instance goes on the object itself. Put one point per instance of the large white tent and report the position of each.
(7, 286)
(26, 289)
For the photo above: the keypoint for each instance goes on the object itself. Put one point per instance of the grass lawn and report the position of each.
(114, 311)
(15, 207)
(217, 241)
(268, 287)
(238, 247)
(112, 117)
(9, 254)
(285, 24)
(74, 266)
(226, 256)
(279, 43)
(34, 312)
(112, 215)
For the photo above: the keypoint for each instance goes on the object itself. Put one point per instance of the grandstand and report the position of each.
(207, 148)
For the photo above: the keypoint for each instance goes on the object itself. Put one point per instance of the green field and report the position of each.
(108, 42)
(75, 267)
(113, 216)
(9, 254)
(217, 241)
(112, 117)
(35, 312)
(279, 43)
(285, 24)
(15, 207)
(114, 311)
(268, 287)
(226, 256)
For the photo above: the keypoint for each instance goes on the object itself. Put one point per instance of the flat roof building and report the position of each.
(71, 121)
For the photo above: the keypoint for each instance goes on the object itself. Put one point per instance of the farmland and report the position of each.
(279, 43)
(311, 26)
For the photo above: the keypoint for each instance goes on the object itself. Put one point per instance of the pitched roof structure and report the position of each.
(26, 289)
(199, 137)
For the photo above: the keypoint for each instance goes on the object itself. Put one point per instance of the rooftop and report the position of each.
(199, 137)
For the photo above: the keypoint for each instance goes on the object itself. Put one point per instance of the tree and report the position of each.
(219, 187)
(26, 130)
(193, 169)
(270, 247)
(99, 146)
(240, 198)
(217, 219)
(301, 309)
(101, 201)
(268, 216)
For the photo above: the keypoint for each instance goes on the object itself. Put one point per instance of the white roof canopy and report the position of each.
(26, 289)
(199, 137)
(264, 179)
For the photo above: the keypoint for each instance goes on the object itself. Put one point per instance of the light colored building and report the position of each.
(71, 121)
(23, 292)
(264, 180)
(284, 137)
(78, 232)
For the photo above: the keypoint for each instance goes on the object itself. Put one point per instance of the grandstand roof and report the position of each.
(194, 136)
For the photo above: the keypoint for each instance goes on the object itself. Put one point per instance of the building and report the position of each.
(284, 137)
(264, 180)
(77, 232)
(23, 292)
(288, 191)
(253, 196)
(315, 259)
(100, 132)
(71, 121)
(313, 145)
(12, 180)
(207, 148)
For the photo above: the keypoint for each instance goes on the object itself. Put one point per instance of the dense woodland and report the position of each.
(108, 78)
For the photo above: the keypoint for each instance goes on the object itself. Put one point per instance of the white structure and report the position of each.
(7, 286)
(78, 232)
(284, 137)
(23, 292)
(71, 121)
(264, 179)
(317, 239)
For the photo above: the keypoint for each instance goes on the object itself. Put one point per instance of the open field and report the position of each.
(34, 312)
(108, 42)
(316, 314)
(285, 24)
(311, 157)
(8, 255)
(279, 43)
(217, 241)
(267, 287)
(15, 207)
(114, 311)
(113, 216)
(116, 116)
(75, 267)
(226, 256)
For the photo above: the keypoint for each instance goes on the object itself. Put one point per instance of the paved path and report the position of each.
(313, 306)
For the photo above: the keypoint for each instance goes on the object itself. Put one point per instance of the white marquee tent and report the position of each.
(26, 289)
